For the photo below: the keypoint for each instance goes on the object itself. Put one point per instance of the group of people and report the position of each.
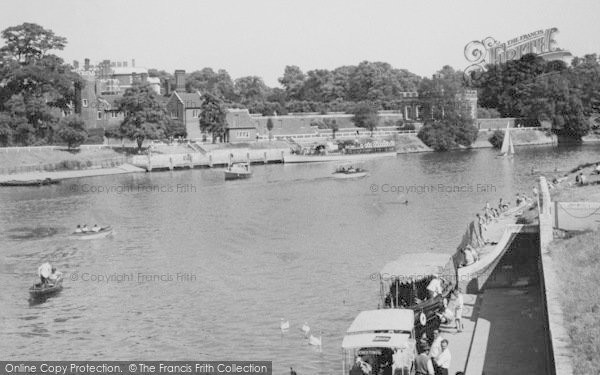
(434, 357)
(48, 274)
(84, 228)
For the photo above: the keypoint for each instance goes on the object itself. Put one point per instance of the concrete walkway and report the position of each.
(67, 174)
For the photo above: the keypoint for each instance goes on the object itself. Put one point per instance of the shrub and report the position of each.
(497, 138)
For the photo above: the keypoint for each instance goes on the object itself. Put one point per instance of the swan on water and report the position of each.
(316, 341)
(284, 325)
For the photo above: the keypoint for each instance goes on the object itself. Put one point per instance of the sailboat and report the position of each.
(508, 149)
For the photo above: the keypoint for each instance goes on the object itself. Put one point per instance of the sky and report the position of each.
(261, 37)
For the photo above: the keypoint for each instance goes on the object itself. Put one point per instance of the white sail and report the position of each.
(511, 147)
(506, 143)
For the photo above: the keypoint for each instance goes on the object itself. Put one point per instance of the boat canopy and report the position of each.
(383, 320)
(375, 340)
(414, 267)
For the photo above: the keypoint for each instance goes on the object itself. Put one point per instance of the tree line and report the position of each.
(39, 95)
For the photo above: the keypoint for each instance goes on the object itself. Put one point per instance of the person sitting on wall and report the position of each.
(470, 256)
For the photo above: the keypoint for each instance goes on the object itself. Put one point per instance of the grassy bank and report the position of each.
(579, 258)
(57, 159)
(579, 276)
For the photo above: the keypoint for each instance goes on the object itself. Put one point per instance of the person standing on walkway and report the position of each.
(423, 364)
(458, 309)
(442, 361)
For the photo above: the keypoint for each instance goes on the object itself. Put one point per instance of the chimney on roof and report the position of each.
(180, 80)
(75, 64)
(133, 63)
(86, 65)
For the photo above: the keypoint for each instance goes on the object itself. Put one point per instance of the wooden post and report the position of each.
(170, 163)
(266, 160)
(282, 158)
(210, 161)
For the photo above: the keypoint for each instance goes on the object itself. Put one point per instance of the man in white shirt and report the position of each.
(443, 359)
(436, 345)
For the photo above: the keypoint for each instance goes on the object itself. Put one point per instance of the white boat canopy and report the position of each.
(417, 266)
(376, 340)
(383, 320)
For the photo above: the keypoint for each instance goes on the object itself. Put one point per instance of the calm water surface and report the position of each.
(289, 243)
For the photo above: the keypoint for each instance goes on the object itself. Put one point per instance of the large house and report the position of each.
(184, 107)
(104, 84)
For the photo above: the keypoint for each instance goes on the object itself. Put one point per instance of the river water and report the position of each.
(203, 269)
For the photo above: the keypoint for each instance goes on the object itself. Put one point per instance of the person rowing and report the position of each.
(85, 228)
(78, 229)
(96, 228)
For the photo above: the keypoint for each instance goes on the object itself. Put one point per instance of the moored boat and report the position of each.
(237, 171)
(37, 182)
(404, 284)
(92, 235)
(379, 341)
(40, 290)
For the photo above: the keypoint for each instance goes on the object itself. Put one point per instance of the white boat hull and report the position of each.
(92, 235)
(342, 175)
(293, 158)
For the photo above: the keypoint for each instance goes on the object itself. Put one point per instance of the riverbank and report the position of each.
(27, 160)
(69, 174)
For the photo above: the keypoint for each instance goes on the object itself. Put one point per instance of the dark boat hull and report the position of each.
(236, 175)
(37, 291)
(47, 181)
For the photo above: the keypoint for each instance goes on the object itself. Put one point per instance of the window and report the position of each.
(99, 115)
(84, 102)
(195, 113)
(243, 134)
(114, 114)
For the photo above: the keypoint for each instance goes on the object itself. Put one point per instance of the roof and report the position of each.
(236, 118)
(415, 266)
(189, 99)
(376, 340)
(383, 320)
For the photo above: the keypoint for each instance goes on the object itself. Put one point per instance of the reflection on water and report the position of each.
(208, 275)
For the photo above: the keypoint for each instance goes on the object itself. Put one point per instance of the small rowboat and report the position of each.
(39, 290)
(91, 235)
(345, 175)
(238, 171)
(349, 172)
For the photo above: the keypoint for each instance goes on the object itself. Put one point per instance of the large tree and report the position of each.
(558, 99)
(293, 82)
(72, 130)
(365, 116)
(212, 116)
(34, 84)
(145, 116)
(453, 130)
(251, 89)
(206, 80)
